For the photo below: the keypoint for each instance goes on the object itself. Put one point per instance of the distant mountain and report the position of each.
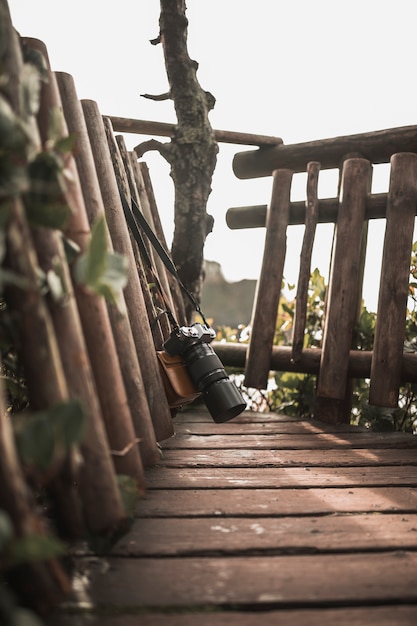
(227, 304)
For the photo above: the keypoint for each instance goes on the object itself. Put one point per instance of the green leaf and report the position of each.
(129, 492)
(46, 204)
(95, 257)
(69, 420)
(71, 249)
(103, 272)
(38, 435)
(66, 144)
(36, 441)
(32, 548)
(55, 285)
(31, 89)
(6, 529)
(24, 617)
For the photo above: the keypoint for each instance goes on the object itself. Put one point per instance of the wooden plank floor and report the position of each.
(265, 518)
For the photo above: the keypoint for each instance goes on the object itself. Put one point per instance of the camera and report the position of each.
(221, 396)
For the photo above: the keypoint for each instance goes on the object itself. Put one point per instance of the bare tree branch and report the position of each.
(153, 144)
(157, 98)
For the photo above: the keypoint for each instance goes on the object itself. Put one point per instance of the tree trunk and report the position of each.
(192, 151)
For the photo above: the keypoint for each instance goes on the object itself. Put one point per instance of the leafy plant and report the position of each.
(102, 272)
(42, 435)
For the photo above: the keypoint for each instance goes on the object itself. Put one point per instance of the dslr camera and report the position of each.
(221, 396)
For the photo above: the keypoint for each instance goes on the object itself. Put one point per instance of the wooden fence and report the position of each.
(76, 346)
(336, 362)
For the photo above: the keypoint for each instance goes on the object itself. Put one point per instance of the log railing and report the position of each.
(76, 346)
(335, 363)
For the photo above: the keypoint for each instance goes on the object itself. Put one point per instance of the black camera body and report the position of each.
(221, 396)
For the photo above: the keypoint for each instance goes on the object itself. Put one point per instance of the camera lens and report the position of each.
(221, 396)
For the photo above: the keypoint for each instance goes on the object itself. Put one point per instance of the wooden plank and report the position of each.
(374, 616)
(291, 442)
(253, 536)
(262, 428)
(394, 286)
(288, 477)
(377, 147)
(266, 502)
(343, 289)
(280, 458)
(265, 582)
(269, 285)
(198, 413)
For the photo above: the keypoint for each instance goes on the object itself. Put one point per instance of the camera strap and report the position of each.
(135, 217)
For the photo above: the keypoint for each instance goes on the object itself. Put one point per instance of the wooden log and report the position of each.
(101, 503)
(255, 216)
(394, 282)
(160, 269)
(161, 417)
(40, 584)
(37, 344)
(163, 129)
(343, 288)
(92, 308)
(147, 275)
(376, 146)
(359, 366)
(178, 295)
(269, 284)
(300, 314)
(129, 364)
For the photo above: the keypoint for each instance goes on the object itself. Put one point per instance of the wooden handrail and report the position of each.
(163, 129)
(377, 147)
(254, 216)
(234, 355)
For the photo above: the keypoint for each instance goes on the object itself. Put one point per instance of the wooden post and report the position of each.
(269, 284)
(41, 583)
(155, 392)
(161, 270)
(44, 375)
(92, 308)
(122, 332)
(176, 290)
(301, 299)
(394, 282)
(125, 176)
(343, 289)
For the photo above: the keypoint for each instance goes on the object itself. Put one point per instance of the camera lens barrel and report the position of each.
(221, 396)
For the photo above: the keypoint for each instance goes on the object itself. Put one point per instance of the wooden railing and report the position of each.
(76, 346)
(335, 363)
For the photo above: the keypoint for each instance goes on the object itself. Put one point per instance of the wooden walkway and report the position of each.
(266, 518)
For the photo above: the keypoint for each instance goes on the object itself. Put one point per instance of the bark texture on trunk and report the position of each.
(192, 151)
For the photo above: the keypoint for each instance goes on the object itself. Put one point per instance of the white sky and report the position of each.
(298, 69)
